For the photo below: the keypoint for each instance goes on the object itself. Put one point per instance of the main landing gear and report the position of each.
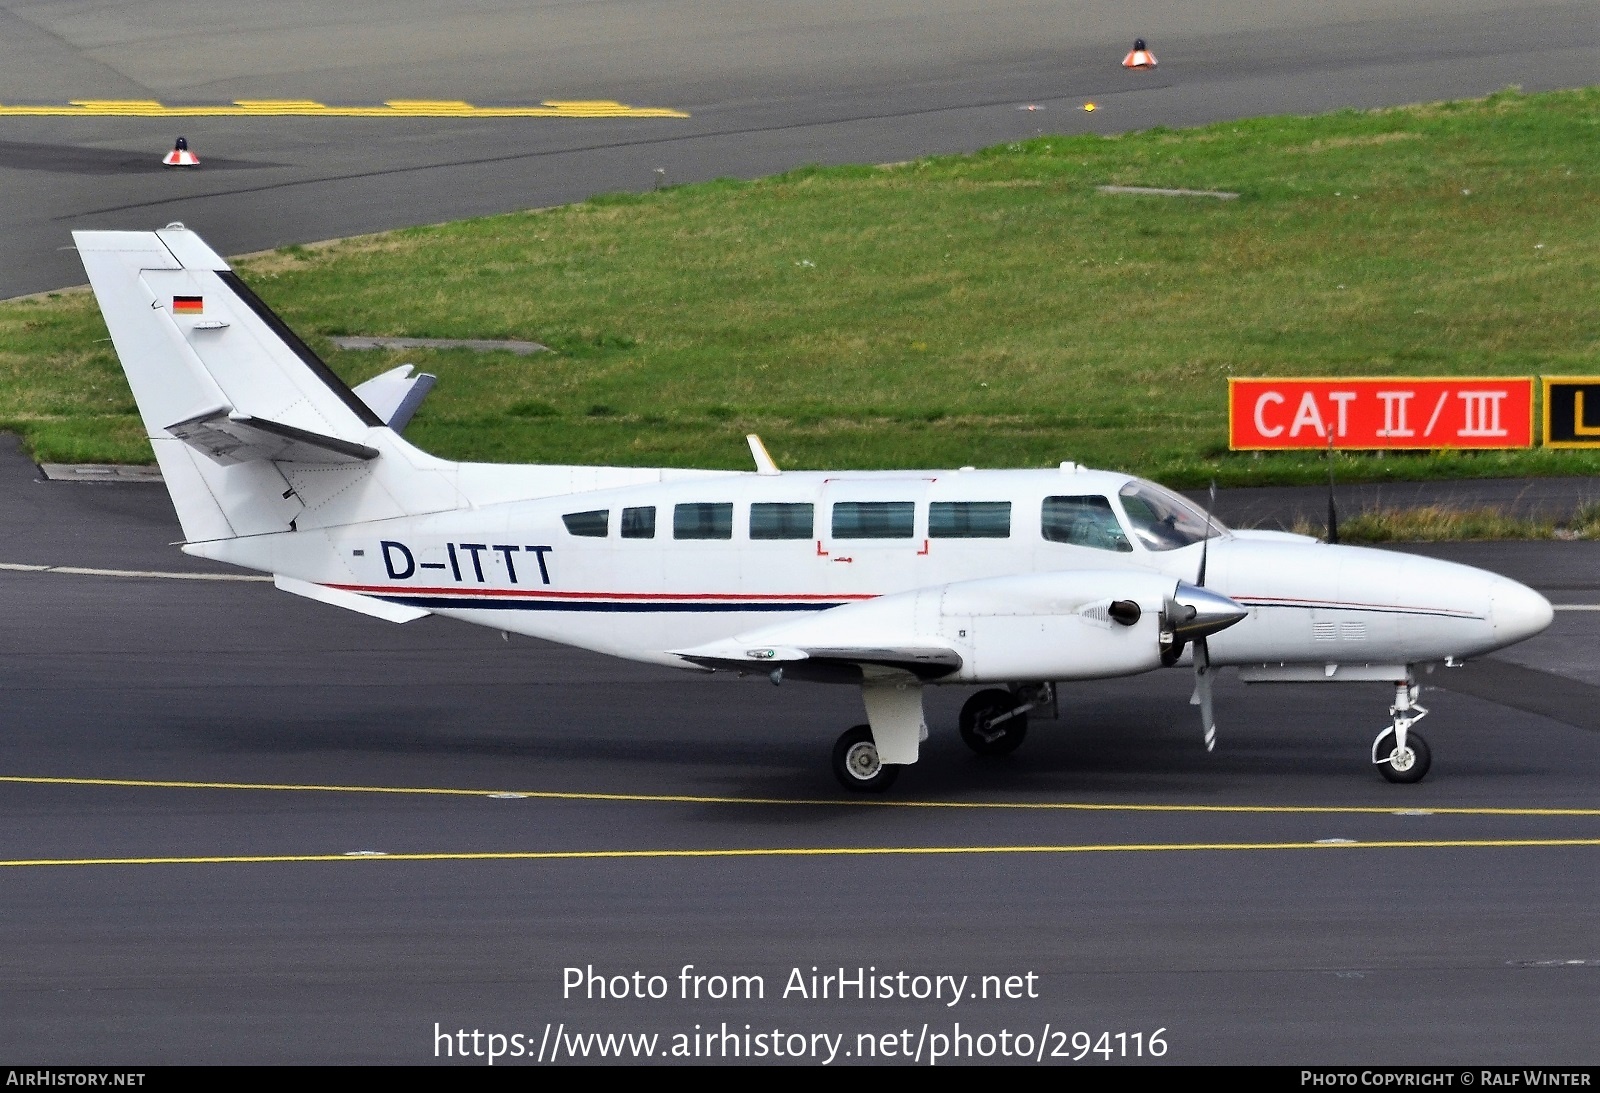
(1402, 755)
(856, 763)
(995, 722)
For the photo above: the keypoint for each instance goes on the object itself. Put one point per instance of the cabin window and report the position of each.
(780, 521)
(639, 522)
(591, 524)
(703, 520)
(969, 520)
(1083, 521)
(1164, 521)
(874, 519)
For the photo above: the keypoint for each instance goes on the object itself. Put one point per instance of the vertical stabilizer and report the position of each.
(255, 434)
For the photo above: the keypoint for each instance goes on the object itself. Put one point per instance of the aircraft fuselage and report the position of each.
(641, 570)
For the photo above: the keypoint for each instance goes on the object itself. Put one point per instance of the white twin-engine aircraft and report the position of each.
(890, 581)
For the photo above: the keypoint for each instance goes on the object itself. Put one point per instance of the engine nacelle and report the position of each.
(1054, 626)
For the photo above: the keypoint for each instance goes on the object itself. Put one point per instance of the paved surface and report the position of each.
(1326, 952)
(1433, 951)
(768, 88)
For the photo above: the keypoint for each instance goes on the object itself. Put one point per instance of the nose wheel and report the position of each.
(856, 763)
(1400, 754)
(1402, 763)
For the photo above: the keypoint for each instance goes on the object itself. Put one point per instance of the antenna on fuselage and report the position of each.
(1333, 516)
(758, 451)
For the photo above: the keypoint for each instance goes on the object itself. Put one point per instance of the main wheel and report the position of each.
(856, 763)
(1408, 764)
(991, 739)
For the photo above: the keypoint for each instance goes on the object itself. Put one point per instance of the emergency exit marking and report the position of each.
(1385, 412)
(1572, 411)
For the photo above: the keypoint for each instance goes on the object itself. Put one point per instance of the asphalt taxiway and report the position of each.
(245, 827)
(766, 89)
(239, 826)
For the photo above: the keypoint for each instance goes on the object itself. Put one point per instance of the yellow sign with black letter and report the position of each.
(1571, 411)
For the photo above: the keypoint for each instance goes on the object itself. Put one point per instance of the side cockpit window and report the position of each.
(1083, 521)
(639, 522)
(591, 524)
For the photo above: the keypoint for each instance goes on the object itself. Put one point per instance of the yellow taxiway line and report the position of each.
(877, 802)
(308, 108)
(804, 852)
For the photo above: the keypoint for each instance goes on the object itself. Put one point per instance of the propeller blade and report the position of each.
(1205, 544)
(1202, 692)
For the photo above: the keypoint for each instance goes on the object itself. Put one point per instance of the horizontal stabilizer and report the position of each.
(395, 395)
(229, 437)
(350, 601)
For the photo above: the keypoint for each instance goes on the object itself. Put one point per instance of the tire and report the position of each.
(856, 765)
(1005, 737)
(1414, 770)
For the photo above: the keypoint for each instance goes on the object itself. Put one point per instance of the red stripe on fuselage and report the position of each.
(549, 593)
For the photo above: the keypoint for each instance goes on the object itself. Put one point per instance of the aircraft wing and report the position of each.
(1059, 625)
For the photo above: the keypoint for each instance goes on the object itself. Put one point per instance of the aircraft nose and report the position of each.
(1518, 611)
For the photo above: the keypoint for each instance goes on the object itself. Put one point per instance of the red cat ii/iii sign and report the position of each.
(1395, 412)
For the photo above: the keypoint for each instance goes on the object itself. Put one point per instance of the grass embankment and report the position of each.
(1435, 523)
(992, 309)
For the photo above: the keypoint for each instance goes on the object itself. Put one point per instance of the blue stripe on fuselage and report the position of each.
(498, 604)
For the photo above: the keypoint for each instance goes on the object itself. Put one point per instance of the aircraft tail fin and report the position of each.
(253, 431)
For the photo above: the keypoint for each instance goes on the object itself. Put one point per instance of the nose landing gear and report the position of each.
(1401, 755)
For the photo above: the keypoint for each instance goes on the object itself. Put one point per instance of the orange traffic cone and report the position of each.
(1138, 56)
(180, 156)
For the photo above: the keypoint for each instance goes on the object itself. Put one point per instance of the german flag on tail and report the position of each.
(188, 305)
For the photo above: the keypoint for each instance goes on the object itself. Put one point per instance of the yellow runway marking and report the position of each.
(808, 852)
(687, 799)
(307, 108)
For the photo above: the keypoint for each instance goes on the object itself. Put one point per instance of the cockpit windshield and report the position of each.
(1161, 520)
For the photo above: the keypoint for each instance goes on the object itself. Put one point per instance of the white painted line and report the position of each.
(1576, 606)
(84, 571)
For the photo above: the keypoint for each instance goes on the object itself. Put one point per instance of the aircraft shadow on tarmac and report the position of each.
(1107, 745)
